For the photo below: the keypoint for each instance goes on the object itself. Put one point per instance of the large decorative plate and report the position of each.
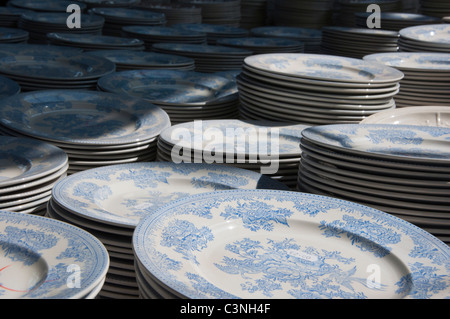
(425, 144)
(324, 68)
(23, 160)
(83, 117)
(434, 34)
(41, 258)
(171, 87)
(277, 244)
(123, 194)
(413, 61)
(72, 68)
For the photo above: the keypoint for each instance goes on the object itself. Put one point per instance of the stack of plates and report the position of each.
(303, 13)
(357, 42)
(110, 3)
(220, 12)
(28, 171)
(311, 38)
(48, 259)
(93, 128)
(284, 245)
(175, 13)
(395, 21)
(346, 9)
(253, 13)
(213, 32)
(116, 19)
(437, 8)
(208, 58)
(8, 87)
(415, 115)
(270, 148)
(45, 5)
(151, 35)
(95, 42)
(426, 38)
(446, 19)
(400, 169)
(264, 45)
(9, 16)
(13, 35)
(38, 24)
(315, 89)
(185, 96)
(427, 77)
(54, 71)
(138, 60)
(109, 202)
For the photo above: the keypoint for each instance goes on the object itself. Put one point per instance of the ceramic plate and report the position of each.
(64, 116)
(413, 61)
(249, 138)
(274, 244)
(123, 194)
(426, 144)
(8, 87)
(39, 257)
(435, 34)
(324, 68)
(420, 115)
(23, 160)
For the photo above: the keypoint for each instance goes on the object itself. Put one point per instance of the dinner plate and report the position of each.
(45, 5)
(8, 87)
(112, 119)
(24, 160)
(40, 256)
(275, 234)
(420, 144)
(436, 35)
(93, 42)
(324, 68)
(121, 195)
(414, 61)
(420, 115)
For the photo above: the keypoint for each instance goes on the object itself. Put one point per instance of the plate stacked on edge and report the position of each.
(400, 169)
(427, 77)
(311, 38)
(208, 58)
(116, 19)
(44, 258)
(109, 202)
(185, 96)
(151, 35)
(96, 42)
(38, 24)
(357, 42)
(93, 128)
(314, 89)
(270, 148)
(28, 171)
(425, 38)
(138, 60)
(55, 70)
(265, 244)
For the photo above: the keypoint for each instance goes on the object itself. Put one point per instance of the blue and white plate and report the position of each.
(423, 144)
(92, 42)
(24, 160)
(45, 5)
(136, 60)
(318, 67)
(120, 195)
(83, 117)
(8, 87)
(413, 61)
(437, 35)
(36, 50)
(171, 87)
(13, 35)
(276, 244)
(47, 259)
